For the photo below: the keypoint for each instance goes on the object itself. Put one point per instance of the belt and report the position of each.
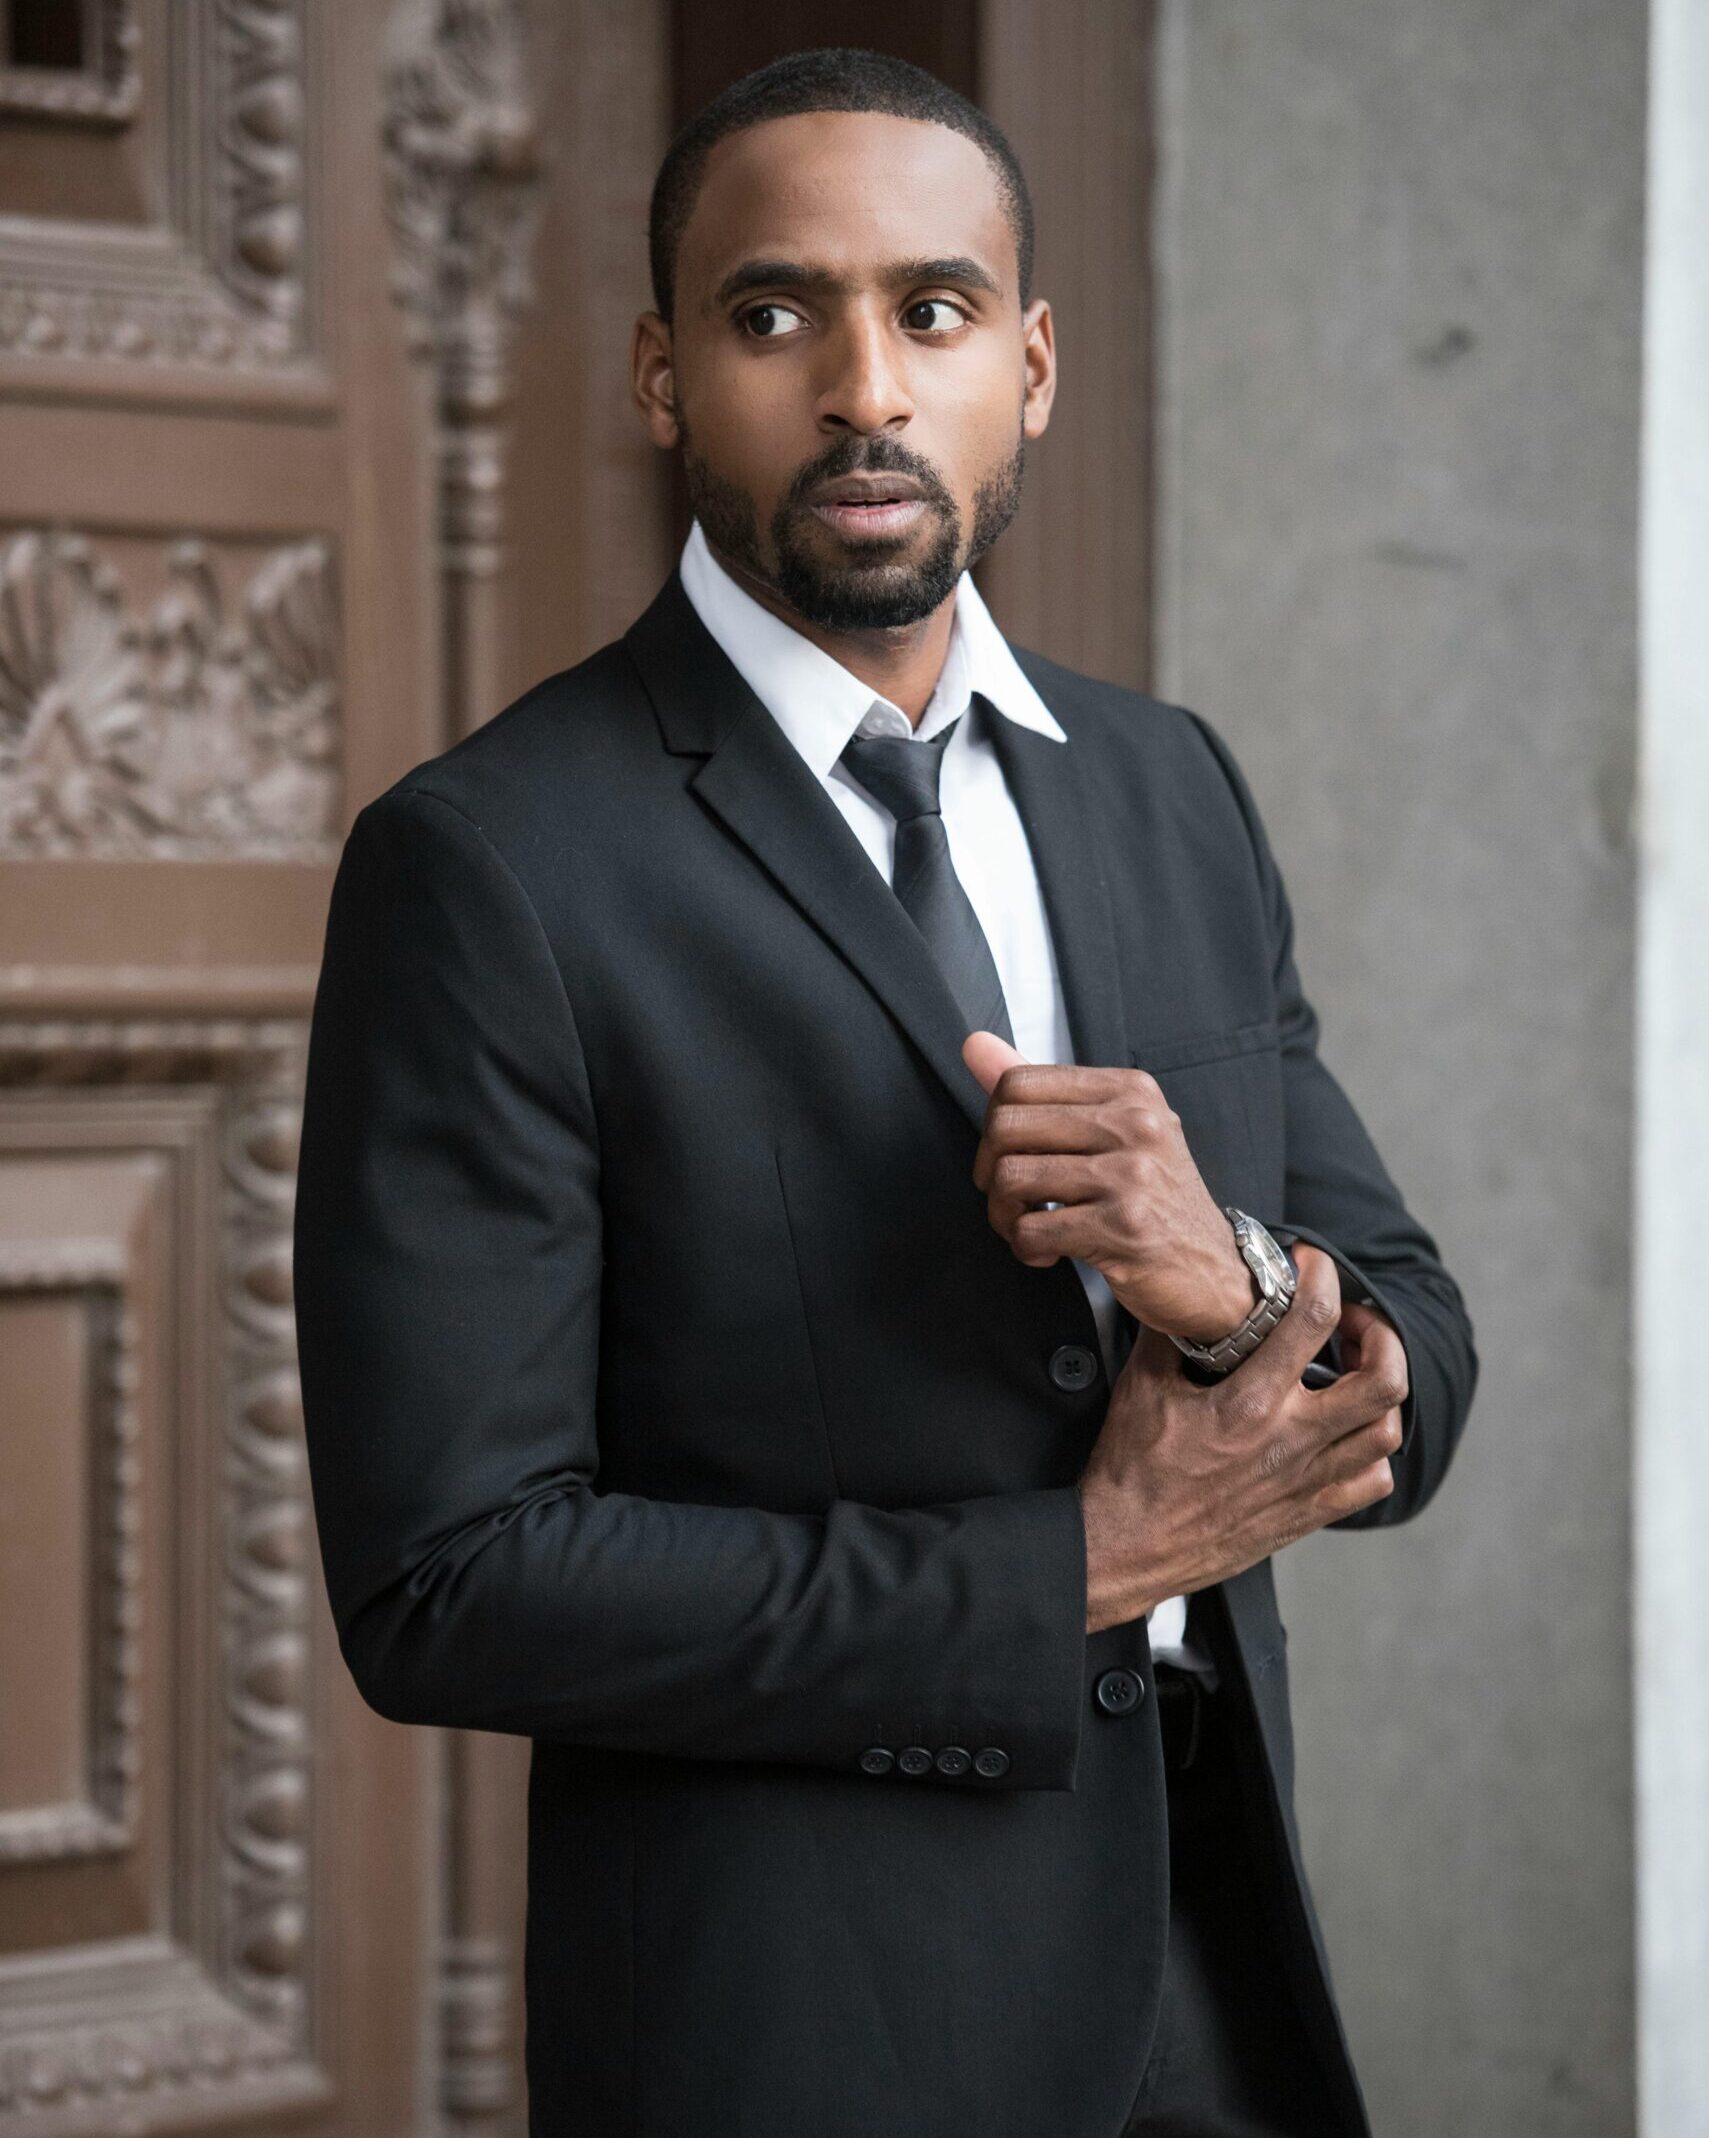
(1182, 1697)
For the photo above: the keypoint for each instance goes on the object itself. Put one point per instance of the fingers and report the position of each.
(1014, 1132)
(988, 1054)
(1353, 1453)
(1061, 1083)
(1378, 1382)
(1015, 1182)
(1050, 1106)
(1274, 1369)
(1356, 1320)
(1352, 1494)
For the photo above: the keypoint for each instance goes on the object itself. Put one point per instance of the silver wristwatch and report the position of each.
(1274, 1276)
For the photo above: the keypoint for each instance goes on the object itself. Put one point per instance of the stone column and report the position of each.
(1400, 254)
(1671, 1466)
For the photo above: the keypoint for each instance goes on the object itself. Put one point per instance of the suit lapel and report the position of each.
(1051, 783)
(755, 782)
(1052, 786)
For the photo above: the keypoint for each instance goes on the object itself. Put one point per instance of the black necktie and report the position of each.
(901, 773)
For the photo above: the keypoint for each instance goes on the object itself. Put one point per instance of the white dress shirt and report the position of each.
(820, 704)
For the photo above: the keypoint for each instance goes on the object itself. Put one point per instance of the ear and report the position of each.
(652, 379)
(1039, 343)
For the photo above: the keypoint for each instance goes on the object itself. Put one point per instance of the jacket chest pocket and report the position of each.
(1227, 1088)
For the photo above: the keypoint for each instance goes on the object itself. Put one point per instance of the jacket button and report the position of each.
(953, 1760)
(991, 1761)
(1120, 1691)
(1072, 1367)
(914, 1759)
(876, 1760)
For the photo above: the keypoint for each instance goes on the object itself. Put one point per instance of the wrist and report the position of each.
(1273, 1278)
(1113, 1594)
(1229, 1298)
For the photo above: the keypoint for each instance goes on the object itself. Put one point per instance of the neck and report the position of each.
(902, 663)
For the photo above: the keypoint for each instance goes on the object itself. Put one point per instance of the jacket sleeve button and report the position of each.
(953, 1761)
(914, 1759)
(1119, 1692)
(876, 1760)
(991, 1761)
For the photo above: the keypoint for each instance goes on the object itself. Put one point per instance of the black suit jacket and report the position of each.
(671, 1400)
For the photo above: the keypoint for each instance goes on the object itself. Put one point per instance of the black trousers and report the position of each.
(1231, 2058)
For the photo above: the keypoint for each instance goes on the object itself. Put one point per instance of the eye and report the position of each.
(763, 322)
(957, 317)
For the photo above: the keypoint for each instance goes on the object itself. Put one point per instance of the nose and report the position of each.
(864, 389)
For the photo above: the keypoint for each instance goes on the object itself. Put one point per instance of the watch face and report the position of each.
(1267, 1262)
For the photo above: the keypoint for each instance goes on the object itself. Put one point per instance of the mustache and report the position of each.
(852, 455)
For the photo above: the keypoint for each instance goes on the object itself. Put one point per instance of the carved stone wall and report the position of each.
(201, 1775)
(198, 721)
(227, 278)
(101, 91)
(267, 292)
(463, 163)
(93, 1275)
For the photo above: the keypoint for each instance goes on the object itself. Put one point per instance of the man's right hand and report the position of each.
(1188, 1485)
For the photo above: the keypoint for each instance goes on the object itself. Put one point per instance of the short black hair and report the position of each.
(827, 78)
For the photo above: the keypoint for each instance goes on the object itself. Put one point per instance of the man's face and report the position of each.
(849, 372)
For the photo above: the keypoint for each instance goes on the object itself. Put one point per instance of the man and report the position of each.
(761, 1085)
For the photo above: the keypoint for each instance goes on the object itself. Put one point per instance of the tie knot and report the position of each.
(900, 771)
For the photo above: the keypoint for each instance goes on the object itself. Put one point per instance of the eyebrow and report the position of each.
(825, 282)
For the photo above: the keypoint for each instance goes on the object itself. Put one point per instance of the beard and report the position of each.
(878, 590)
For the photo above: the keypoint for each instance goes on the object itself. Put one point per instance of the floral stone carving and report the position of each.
(192, 730)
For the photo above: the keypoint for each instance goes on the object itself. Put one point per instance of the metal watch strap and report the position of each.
(1227, 1353)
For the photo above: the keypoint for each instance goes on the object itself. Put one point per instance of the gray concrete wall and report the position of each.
(1400, 250)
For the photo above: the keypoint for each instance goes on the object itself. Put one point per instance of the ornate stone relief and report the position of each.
(228, 279)
(464, 191)
(107, 1820)
(198, 727)
(103, 91)
(464, 188)
(478, 2079)
(225, 2012)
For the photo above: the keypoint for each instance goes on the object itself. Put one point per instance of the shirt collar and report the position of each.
(818, 702)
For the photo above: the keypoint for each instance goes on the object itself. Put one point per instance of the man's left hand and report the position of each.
(1106, 1146)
